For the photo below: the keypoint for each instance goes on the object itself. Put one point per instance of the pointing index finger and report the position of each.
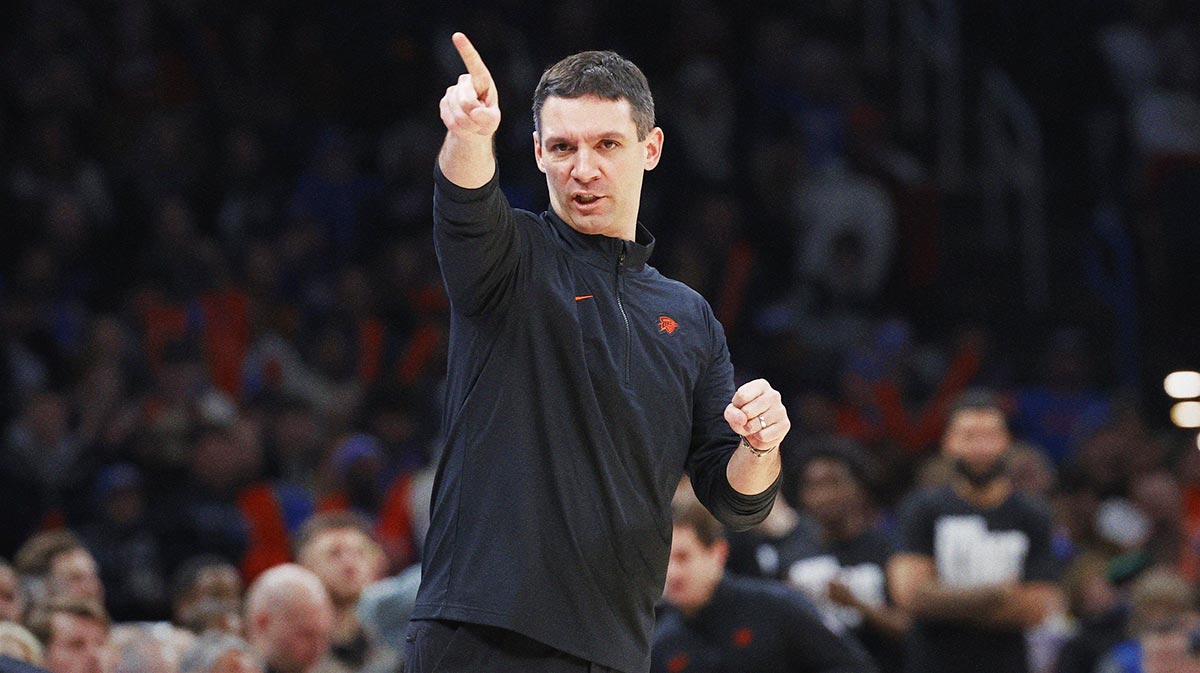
(480, 77)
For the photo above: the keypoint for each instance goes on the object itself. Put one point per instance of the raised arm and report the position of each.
(757, 414)
(471, 112)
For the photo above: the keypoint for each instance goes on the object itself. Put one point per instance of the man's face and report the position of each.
(295, 637)
(12, 600)
(345, 560)
(76, 644)
(829, 490)
(219, 582)
(1168, 650)
(589, 150)
(694, 570)
(73, 574)
(977, 437)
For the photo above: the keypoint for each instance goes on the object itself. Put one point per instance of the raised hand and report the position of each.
(757, 413)
(471, 106)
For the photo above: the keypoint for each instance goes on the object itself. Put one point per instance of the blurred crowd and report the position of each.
(221, 318)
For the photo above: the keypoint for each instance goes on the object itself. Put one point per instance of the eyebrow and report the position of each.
(615, 135)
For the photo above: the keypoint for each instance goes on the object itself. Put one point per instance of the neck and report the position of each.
(692, 610)
(988, 495)
(846, 528)
(345, 624)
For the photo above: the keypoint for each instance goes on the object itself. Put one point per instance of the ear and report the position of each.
(653, 144)
(721, 549)
(379, 566)
(537, 152)
(259, 622)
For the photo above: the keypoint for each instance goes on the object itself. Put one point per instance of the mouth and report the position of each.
(584, 200)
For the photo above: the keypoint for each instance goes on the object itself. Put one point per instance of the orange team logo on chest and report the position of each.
(667, 324)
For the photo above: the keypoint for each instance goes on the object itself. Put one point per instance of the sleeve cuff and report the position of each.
(456, 194)
(738, 511)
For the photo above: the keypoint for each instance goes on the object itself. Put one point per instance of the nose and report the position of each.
(93, 661)
(673, 572)
(586, 167)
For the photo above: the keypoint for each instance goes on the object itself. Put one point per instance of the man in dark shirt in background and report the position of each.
(845, 576)
(722, 623)
(581, 385)
(975, 567)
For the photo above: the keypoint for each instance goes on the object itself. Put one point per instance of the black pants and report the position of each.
(435, 646)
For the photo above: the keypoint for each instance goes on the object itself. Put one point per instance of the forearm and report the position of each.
(749, 474)
(467, 160)
(999, 607)
(936, 602)
(887, 620)
(717, 491)
(1025, 606)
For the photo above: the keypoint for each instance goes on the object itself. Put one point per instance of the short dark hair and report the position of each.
(978, 399)
(689, 513)
(322, 522)
(845, 452)
(35, 557)
(604, 74)
(185, 577)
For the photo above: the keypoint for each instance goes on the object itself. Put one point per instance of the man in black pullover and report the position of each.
(581, 385)
(721, 623)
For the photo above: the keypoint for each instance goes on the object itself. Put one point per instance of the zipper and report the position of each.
(621, 307)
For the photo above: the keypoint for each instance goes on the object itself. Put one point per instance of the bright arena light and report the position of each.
(1186, 414)
(1182, 385)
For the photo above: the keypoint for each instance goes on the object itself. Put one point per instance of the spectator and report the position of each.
(1162, 609)
(207, 594)
(339, 548)
(126, 547)
(289, 619)
(1100, 615)
(383, 611)
(62, 566)
(358, 479)
(334, 194)
(75, 633)
(1170, 651)
(216, 652)
(18, 643)
(44, 449)
(718, 622)
(205, 518)
(12, 594)
(1156, 494)
(975, 567)
(1065, 403)
(147, 647)
(769, 548)
(845, 574)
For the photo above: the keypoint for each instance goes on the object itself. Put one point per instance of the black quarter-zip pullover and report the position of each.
(581, 384)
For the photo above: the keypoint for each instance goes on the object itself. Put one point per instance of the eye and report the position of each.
(609, 144)
(559, 147)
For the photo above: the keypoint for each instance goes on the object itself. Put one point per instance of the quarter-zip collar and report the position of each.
(605, 251)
